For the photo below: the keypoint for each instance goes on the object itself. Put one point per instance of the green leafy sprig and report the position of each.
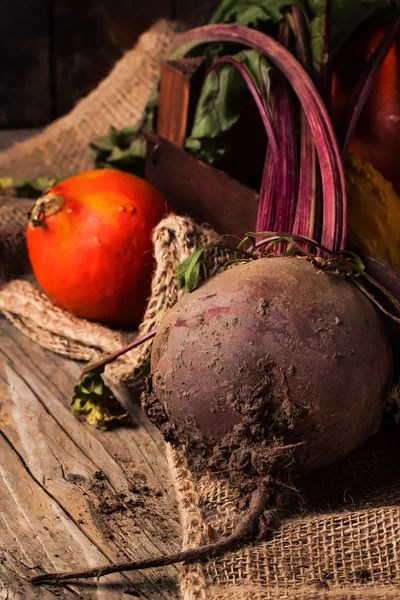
(94, 400)
(26, 188)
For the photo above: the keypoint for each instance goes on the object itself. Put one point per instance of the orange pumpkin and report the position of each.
(89, 243)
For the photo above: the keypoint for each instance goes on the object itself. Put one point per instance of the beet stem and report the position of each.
(279, 182)
(273, 151)
(308, 194)
(111, 357)
(266, 209)
(258, 98)
(297, 22)
(287, 190)
(334, 232)
(245, 530)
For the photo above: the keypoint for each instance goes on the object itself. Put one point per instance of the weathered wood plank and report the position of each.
(195, 188)
(33, 524)
(24, 57)
(89, 37)
(139, 446)
(180, 82)
(71, 495)
(35, 530)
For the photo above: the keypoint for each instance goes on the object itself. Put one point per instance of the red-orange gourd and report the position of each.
(89, 243)
(377, 135)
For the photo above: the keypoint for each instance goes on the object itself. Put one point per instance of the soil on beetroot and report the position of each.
(243, 453)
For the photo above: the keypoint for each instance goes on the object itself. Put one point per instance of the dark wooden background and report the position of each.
(53, 52)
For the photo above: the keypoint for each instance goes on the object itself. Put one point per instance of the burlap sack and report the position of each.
(343, 542)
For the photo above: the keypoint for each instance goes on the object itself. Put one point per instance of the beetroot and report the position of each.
(272, 350)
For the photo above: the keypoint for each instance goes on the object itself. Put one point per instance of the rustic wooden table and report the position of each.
(72, 496)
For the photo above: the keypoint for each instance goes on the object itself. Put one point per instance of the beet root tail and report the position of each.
(245, 531)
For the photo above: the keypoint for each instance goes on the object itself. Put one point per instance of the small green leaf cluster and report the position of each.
(94, 400)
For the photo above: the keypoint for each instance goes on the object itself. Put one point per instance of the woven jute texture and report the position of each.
(342, 542)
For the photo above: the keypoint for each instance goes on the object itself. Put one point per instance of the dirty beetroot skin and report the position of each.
(93, 256)
(273, 352)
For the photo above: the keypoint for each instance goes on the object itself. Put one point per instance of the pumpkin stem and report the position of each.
(46, 205)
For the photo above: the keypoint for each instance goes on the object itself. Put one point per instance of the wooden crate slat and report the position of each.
(199, 190)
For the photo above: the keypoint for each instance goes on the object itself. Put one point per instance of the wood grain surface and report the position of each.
(72, 496)
(89, 37)
(194, 188)
(25, 86)
(54, 52)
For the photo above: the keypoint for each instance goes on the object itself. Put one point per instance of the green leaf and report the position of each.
(192, 270)
(125, 137)
(357, 260)
(93, 399)
(258, 14)
(242, 246)
(6, 182)
(346, 16)
(27, 188)
(218, 108)
(224, 92)
(221, 100)
(252, 13)
(188, 271)
(104, 143)
(208, 150)
(137, 150)
(123, 149)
